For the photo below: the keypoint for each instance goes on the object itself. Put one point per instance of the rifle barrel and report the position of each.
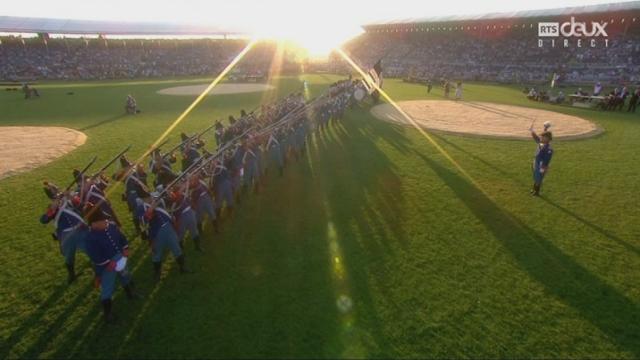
(81, 173)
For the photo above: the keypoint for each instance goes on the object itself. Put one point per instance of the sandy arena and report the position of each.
(486, 119)
(23, 148)
(220, 89)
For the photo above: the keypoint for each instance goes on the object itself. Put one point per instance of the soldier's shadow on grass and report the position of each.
(27, 324)
(564, 278)
(602, 231)
(103, 122)
(499, 170)
(73, 336)
(365, 204)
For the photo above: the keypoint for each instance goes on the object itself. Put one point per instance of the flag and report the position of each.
(375, 75)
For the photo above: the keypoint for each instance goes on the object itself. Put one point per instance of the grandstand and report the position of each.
(98, 50)
(505, 47)
(501, 47)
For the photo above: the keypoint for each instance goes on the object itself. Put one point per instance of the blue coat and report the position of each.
(105, 245)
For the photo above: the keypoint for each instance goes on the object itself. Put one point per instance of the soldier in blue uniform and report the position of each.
(71, 230)
(237, 170)
(185, 217)
(541, 161)
(135, 187)
(161, 168)
(221, 183)
(190, 155)
(161, 233)
(275, 153)
(96, 196)
(251, 170)
(108, 249)
(201, 198)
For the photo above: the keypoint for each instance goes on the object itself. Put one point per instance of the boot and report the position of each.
(71, 273)
(157, 270)
(129, 290)
(109, 318)
(536, 190)
(183, 268)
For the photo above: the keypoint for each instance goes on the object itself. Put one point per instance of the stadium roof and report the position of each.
(67, 26)
(545, 13)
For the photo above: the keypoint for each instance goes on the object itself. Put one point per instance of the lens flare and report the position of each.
(411, 121)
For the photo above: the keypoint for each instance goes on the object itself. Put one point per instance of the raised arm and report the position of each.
(535, 136)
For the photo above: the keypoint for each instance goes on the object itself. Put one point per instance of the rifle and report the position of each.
(292, 115)
(75, 180)
(114, 159)
(201, 162)
(159, 146)
(164, 156)
(178, 178)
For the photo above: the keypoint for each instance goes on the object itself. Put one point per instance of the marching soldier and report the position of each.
(96, 196)
(250, 166)
(275, 153)
(201, 199)
(190, 155)
(161, 168)
(223, 188)
(135, 187)
(71, 230)
(185, 218)
(160, 232)
(108, 249)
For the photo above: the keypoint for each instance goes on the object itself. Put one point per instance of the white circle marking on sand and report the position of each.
(23, 148)
(220, 89)
(486, 119)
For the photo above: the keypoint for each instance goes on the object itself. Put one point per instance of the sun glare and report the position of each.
(315, 37)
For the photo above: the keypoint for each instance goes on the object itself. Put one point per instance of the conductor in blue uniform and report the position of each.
(542, 158)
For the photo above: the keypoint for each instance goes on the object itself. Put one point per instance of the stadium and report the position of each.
(213, 193)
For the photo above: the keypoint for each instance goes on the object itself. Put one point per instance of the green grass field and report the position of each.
(432, 265)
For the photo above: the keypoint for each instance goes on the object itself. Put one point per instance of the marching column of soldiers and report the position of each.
(182, 202)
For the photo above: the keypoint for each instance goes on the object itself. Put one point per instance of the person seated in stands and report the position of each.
(131, 107)
(597, 89)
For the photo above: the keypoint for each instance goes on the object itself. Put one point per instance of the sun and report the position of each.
(316, 37)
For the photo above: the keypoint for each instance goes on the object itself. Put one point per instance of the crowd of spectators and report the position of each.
(514, 57)
(98, 59)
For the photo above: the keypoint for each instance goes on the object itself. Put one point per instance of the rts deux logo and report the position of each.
(579, 33)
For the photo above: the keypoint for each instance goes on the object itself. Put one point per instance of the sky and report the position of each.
(319, 25)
